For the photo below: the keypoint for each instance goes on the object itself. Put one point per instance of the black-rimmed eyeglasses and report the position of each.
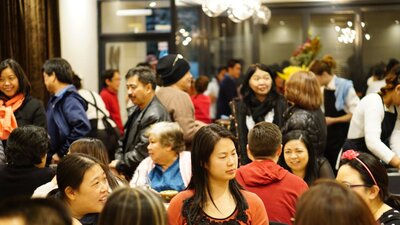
(356, 185)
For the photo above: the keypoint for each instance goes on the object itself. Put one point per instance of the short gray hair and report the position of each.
(168, 134)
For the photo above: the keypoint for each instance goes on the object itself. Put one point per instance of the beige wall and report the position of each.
(79, 45)
(131, 53)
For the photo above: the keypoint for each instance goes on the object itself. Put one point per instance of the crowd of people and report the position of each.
(305, 151)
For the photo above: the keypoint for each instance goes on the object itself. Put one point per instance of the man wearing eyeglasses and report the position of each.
(176, 82)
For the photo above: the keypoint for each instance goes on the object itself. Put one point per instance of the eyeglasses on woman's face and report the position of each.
(356, 185)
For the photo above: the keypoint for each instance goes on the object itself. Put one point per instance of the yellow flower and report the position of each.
(288, 71)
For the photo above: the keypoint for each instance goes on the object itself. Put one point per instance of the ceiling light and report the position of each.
(214, 8)
(153, 4)
(134, 12)
(349, 23)
(262, 16)
(237, 10)
(346, 35)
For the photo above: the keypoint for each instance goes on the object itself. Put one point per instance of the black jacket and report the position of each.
(22, 181)
(31, 112)
(240, 129)
(134, 146)
(310, 121)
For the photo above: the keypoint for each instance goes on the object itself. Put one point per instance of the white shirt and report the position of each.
(213, 90)
(375, 86)
(269, 117)
(351, 100)
(91, 111)
(366, 122)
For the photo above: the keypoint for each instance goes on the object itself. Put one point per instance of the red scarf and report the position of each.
(7, 118)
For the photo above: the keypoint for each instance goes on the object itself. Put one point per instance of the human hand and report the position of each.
(113, 164)
(55, 159)
(329, 120)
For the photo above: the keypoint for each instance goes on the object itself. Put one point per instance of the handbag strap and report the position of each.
(95, 104)
(97, 108)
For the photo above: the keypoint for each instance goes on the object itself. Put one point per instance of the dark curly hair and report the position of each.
(27, 145)
(392, 80)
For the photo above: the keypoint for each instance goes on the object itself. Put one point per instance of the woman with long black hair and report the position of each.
(260, 102)
(213, 194)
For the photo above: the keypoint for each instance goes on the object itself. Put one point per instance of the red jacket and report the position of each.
(278, 188)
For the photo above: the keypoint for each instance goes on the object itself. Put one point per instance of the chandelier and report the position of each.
(348, 34)
(238, 10)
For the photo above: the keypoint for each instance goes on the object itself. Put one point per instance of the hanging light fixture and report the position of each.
(238, 10)
(348, 34)
(244, 9)
(214, 8)
(262, 16)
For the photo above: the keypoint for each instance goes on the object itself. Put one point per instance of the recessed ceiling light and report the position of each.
(134, 12)
(153, 4)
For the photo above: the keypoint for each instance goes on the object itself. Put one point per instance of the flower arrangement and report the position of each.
(306, 52)
(287, 71)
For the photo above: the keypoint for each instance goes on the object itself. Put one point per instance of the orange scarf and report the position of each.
(7, 118)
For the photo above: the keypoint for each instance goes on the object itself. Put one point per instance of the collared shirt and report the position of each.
(62, 91)
(351, 100)
(59, 94)
(169, 179)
